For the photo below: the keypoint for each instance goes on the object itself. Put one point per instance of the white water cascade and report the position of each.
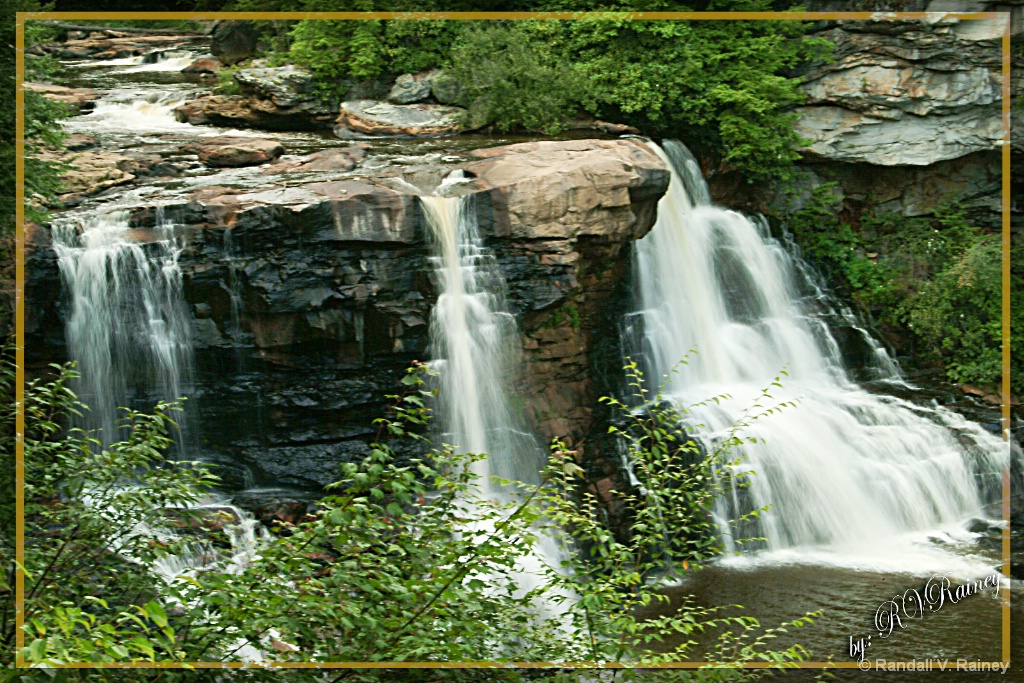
(473, 335)
(128, 326)
(847, 473)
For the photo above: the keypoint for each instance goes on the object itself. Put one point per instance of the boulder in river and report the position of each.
(334, 159)
(204, 65)
(372, 118)
(235, 150)
(233, 41)
(409, 88)
(80, 99)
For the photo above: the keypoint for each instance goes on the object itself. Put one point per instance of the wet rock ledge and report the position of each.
(309, 301)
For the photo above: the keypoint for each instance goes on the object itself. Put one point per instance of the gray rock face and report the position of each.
(285, 86)
(373, 118)
(904, 94)
(233, 41)
(445, 88)
(409, 88)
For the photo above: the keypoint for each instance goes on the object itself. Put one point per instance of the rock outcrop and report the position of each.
(382, 119)
(79, 99)
(904, 94)
(565, 190)
(255, 112)
(337, 276)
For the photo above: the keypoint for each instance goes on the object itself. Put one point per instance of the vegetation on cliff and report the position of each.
(936, 279)
(719, 86)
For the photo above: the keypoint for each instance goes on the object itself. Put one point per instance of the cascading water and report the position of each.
(472, 335)
(128, 326)
(845, 470)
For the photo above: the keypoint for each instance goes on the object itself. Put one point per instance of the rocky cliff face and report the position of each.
(309, 301)
(905, 118)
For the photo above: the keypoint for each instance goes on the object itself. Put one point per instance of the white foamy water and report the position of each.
(128, 320)
(847, 474)
(126, 111)
(473, 335)
(167, 60)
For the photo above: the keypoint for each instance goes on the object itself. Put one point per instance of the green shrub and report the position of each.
(226, 83)
(512, 76)
(937, 277)
(396, 564)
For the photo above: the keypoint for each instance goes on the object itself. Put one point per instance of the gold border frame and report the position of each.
(22, 17)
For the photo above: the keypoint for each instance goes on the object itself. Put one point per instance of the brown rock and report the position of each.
(563, 190)
(80, 99)
(204, 65)
(334, 159)
(251, 112)
(80, 141)
(93, 172)
(371, 117)
(235, 150)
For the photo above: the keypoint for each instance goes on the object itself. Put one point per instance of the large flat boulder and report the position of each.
(235, 150)
(384, 119)
(254, 112)
(577, 188)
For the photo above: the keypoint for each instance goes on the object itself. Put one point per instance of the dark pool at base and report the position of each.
(969, 630)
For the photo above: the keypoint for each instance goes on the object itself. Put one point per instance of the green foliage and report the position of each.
(515, 76)
(714, 84)
(567, 313)
(400, 562)
(718, 85)
(43, 178)
(957, 314)
(937, 277)
(89, 585)
(226, 83)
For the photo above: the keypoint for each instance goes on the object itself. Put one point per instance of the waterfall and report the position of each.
(845, 471)
(128, 326)
(126, 110)
(473, 337)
